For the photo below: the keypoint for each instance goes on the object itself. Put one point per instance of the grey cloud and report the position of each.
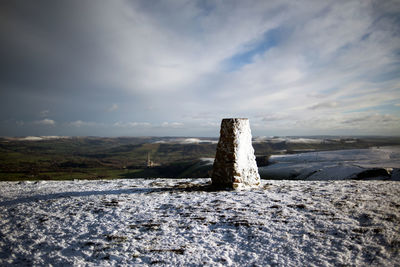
(132, 124)
(373, 119)
(273, 117)
(48, 122)
(46, 44)
(113, 107)
(44, 113)
(80, 123)
(324, 105)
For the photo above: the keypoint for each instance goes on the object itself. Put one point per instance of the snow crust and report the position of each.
(179, 222)
(333, 165)
(245, 161)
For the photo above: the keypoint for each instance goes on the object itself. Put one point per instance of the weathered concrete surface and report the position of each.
(235, 164)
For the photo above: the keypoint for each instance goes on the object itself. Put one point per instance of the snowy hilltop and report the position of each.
(168, 222)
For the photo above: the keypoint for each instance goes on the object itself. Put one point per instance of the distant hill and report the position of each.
(52, 157)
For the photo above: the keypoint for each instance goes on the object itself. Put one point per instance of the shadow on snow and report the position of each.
(180, 187)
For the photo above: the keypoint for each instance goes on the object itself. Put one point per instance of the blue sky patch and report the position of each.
(269, 39)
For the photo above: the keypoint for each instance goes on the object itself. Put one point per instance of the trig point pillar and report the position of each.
(235, 164)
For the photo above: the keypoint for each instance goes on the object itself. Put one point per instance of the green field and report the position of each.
(96, 158)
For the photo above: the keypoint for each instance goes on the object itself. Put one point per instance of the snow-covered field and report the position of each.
(335, 165)
(180, 222)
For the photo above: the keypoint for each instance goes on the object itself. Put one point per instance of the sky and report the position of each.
(177, 67)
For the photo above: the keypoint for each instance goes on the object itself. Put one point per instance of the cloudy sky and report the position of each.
(177, 67)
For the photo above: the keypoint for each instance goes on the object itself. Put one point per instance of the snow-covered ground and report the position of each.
(36, 138)
(186, 141)
(180, 222)
(334, 165)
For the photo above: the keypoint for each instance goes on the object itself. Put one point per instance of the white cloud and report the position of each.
(169, 50)
(273, 117)
(47, 122)
(329, 61)
(172, 124)
(210, 124)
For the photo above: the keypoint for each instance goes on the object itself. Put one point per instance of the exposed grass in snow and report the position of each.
(181, 222)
